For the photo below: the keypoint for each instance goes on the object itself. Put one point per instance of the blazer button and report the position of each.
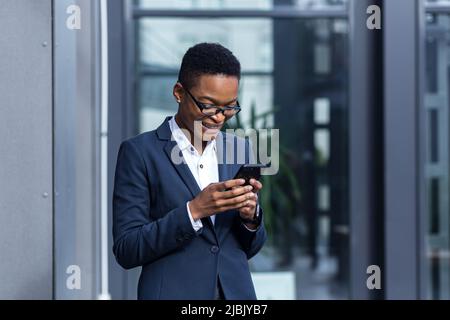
(214, 249)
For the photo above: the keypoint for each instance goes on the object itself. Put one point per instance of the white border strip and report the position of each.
(104, 290)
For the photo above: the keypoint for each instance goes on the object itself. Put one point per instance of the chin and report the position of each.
(208, 135)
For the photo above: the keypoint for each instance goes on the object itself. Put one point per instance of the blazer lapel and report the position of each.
(175, 156)
(171, 148)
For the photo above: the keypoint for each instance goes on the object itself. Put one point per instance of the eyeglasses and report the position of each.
(211, 110)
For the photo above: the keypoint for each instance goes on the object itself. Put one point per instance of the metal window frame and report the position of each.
(405, 203)
(438, 7)
(250, 73)
(366, 151)
(121, 117)
(279, 12)
(406, 269)
(423, 264)
(422, 199)
(436, 167)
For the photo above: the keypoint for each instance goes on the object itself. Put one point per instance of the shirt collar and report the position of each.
(182, 141)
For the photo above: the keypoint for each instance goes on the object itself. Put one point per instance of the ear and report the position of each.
(178, 92)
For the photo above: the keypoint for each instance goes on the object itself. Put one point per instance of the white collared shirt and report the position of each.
(204, 167)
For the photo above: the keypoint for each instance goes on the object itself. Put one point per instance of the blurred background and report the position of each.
(364, 137)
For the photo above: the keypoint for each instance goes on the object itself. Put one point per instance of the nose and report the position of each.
(218, 118)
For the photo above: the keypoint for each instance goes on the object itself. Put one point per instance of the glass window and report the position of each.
(437, 161)
(164, 41)
(295, 75)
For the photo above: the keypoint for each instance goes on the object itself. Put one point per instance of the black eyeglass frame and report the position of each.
(204, 106)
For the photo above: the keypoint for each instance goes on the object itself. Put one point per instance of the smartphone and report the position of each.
(249, 171)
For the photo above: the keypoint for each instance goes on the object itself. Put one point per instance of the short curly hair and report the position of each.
(209, 59)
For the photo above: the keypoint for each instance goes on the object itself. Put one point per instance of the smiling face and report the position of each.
(218, 90)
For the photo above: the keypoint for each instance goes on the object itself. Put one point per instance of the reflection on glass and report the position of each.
(166, 41)
(319, 4)
(238, 4)
(437, 162)
(156, 101)
(310, 229)
(294, 78)
(163, 43)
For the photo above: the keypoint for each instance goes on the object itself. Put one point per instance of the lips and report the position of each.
(212, 126)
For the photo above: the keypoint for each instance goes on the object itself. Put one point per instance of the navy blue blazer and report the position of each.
(152, 229)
